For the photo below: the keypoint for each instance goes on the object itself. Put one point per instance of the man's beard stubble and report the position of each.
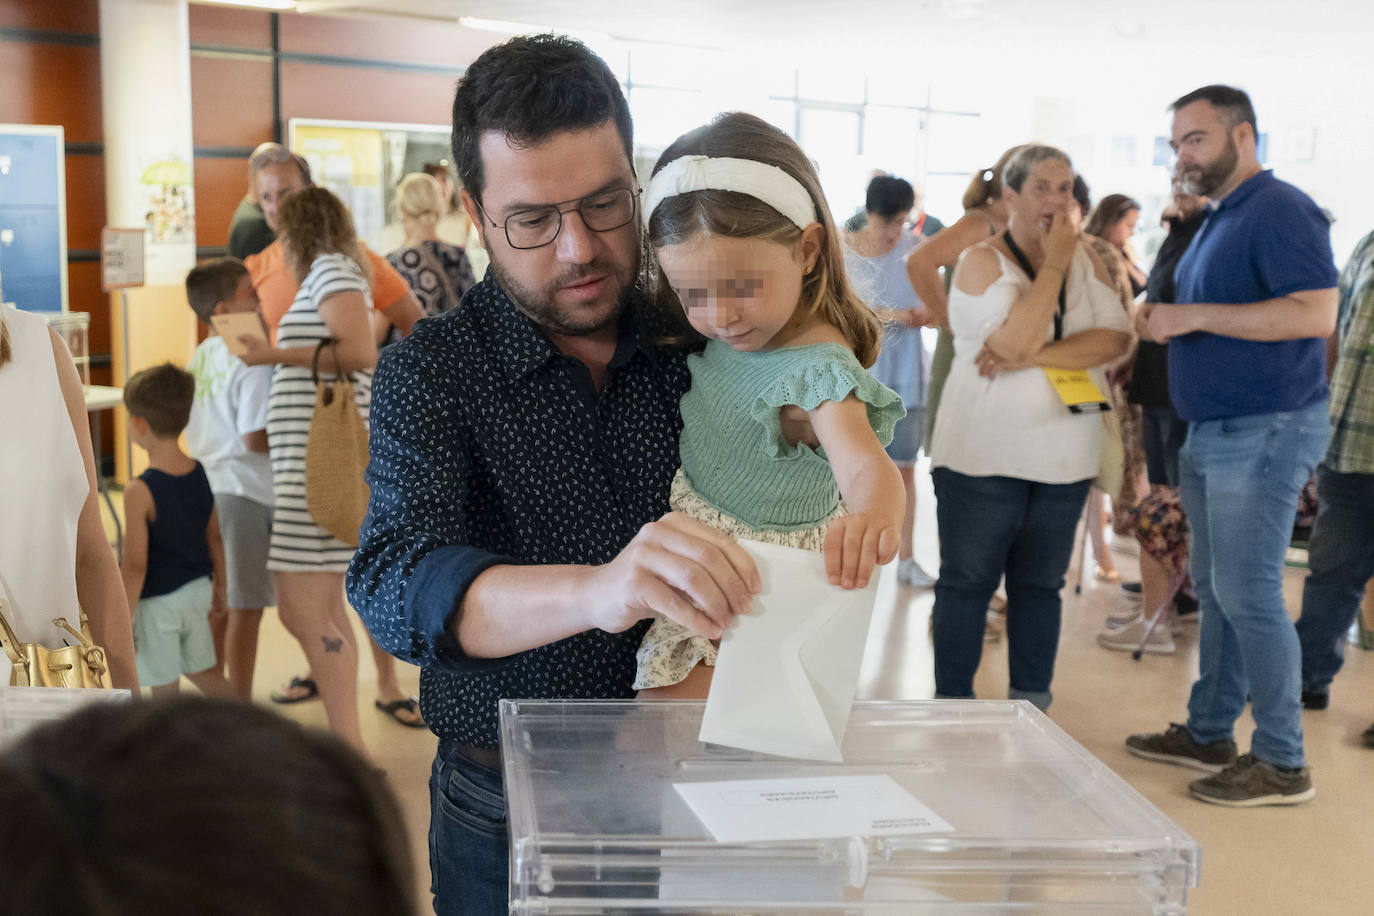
(1212, 176)
(542, 309)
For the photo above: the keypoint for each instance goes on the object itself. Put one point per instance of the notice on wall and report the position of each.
(121, 258)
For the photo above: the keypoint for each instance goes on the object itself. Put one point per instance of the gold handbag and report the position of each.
(336, 455)
(36, 665)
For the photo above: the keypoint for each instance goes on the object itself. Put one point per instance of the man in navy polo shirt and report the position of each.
(1256, 293)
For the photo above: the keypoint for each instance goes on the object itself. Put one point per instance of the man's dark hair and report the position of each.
(209, 284)
(888, 196)
(1232, 104)
(530, 88)
(161, 395)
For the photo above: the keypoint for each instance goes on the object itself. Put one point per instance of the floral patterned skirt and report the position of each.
(1162, 529)
(669, 650)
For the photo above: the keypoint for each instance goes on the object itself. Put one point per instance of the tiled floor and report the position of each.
(1313, 858)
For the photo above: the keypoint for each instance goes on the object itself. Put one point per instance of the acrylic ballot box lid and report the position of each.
(1039, 825)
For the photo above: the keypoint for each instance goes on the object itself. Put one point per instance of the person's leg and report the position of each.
(1340, 557)
(468, 856)
(390, 698)
(219, 625)
(1253, 470)
(1036, 564)
(908, 474)
(165, 691)
(977, 518)
(312, 609)
(212, 683)
(241, 646)
(1097, 535)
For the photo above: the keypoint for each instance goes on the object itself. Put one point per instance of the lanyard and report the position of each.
(1030, 272)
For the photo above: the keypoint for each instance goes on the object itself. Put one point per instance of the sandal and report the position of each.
(393, 709)
(311, 689)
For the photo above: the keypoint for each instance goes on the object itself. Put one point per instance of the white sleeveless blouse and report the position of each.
(42, 488)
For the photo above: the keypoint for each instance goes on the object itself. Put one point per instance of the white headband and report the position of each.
(760, 180)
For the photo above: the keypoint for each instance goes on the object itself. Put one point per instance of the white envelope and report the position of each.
(787, 671)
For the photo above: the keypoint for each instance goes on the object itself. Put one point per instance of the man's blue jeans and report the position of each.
(469, 858)
(1340, 558)
(990, 526)
(1240, 479)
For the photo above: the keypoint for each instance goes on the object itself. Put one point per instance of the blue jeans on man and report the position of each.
(990, 526)
(1340, 559)
(469, 858)
(1240, 479)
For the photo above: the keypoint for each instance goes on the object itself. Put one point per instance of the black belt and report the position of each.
(489, 757)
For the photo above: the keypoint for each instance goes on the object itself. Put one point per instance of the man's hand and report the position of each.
(855, 544)
(1162, 324)
(677, 567)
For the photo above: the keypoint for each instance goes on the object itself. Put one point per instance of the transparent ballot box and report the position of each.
(1029, 821)
(75, 329)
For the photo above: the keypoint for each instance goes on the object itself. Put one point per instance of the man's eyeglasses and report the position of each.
(539, 226)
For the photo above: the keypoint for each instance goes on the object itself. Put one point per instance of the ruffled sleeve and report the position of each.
(828, 372)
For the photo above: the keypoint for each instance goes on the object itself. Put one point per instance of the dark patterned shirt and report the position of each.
(489, 446)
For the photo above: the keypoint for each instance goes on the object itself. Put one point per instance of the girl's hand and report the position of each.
(855, 544)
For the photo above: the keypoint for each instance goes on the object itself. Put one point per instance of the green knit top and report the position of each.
(733, 451)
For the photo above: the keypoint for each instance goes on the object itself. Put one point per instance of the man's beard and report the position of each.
(542, 308)
(1207, 179)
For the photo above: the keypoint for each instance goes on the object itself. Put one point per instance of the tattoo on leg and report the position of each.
(332, 645)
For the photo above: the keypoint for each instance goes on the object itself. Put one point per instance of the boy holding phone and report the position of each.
(227, 434)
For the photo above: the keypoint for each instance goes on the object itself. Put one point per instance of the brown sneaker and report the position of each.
(1249, 782)
(1177, 746)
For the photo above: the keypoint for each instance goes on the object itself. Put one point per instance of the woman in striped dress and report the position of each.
(322, 251)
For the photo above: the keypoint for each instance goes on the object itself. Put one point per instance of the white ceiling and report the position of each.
(911, 31)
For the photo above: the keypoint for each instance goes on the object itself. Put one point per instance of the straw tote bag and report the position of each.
(336, 455)
(35, 665)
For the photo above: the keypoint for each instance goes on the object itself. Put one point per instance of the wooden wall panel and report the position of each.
(231, 101)
(220, 185)
(79, 16)
(51, 84)
(358, 94)
(85, 201)
(411, 41)
(227, 27)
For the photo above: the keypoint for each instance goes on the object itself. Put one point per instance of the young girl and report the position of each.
(783, 418)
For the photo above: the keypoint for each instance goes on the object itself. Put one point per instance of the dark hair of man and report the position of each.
(888, 197)
(209, 284)
(161, 395)
(528, 89)
(1232, 105)
(1081, 195)
(191, 805)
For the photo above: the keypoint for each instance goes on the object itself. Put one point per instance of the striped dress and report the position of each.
(298, 544)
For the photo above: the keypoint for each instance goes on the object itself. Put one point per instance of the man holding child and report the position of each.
(523, 445)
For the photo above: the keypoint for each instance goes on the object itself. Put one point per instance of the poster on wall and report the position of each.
(33, 217)
(347, 161)
(362, 162)
(121, 258)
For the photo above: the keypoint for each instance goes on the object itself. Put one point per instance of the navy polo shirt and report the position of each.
(1266, 239)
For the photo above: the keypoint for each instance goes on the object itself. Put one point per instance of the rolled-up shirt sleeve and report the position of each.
(414, 561)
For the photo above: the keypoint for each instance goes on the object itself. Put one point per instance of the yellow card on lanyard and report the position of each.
(1077, 390)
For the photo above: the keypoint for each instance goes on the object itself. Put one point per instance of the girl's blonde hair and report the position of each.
(312, 222)
(420, 197)
(825, 293)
